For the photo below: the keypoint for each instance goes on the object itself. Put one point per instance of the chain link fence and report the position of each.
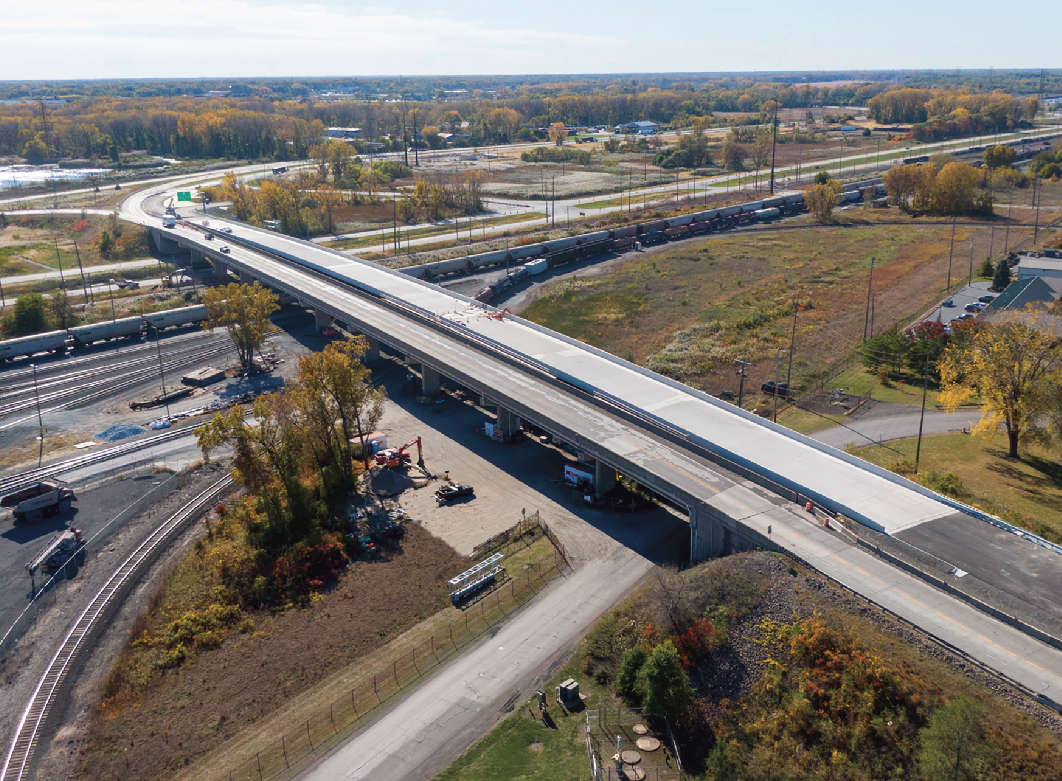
(335, 722)
(612, 740)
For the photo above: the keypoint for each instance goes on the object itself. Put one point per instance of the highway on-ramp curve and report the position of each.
(485, 675)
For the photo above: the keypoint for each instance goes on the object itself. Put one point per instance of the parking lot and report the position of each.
(968, 294)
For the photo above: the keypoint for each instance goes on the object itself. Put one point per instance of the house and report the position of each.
(641, 128)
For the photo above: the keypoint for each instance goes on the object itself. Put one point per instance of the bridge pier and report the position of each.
(246, 278)
(321, 319)
(430, 380)
(373, 351)
(165, 244)
(604, 478)
(219, 268)
(509, 422)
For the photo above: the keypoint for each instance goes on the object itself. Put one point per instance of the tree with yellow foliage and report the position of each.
(244, 310)
(1008, 365)
(822, 198)
(557, 133)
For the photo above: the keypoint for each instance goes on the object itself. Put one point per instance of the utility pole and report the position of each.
(792, 345)
(951, 253)
(553, 202)
(774, 142)
(394, 228)
(742, 365)
(870, 293)
(59, 262)
(416, 150)
(1037, 192)
(162, 376)
(84, 288)
(777, 358)
(970, 280)
(1006, 240)
(922, 418)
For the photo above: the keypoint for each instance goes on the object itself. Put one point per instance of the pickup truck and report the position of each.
(453, 491)
(45, 498)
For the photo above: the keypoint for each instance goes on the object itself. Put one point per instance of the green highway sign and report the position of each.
(183, 196)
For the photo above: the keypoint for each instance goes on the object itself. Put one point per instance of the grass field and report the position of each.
(690, 310)
(1026, 492)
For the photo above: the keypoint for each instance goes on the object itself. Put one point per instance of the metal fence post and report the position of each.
(332, 718)
(284, 746)
(308, 738)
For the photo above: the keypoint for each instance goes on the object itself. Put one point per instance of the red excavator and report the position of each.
(394, 457)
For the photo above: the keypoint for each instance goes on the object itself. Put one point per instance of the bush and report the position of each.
(627, 675)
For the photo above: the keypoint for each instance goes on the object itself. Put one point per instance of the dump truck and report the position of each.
(45, 498)
(59, 550)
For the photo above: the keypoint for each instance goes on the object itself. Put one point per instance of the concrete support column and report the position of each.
(709, 533)
(604, 478)
(373, 351)
(508, 422)
(430, 380)
(245, 278)
(321, 319)
(219, 268)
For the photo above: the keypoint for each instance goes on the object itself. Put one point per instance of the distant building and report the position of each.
(641, 128)
(343, 133)
(1030, 266)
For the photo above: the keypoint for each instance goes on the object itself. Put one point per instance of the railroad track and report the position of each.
(93, 389)
(33, 717)
(23, 479)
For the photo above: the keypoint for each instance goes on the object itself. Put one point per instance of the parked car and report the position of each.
(949, 303)
(453, 491)
(975, 307)
(986, 299)
(329, 331)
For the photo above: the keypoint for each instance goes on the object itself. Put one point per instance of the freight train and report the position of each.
(84, 335)
(537, 258)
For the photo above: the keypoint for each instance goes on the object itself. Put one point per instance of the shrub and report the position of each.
(630, 667)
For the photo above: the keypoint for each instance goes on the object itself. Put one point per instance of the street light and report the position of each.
(162, 376)
(40, 420)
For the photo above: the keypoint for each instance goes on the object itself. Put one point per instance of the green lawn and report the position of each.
(1026, 492)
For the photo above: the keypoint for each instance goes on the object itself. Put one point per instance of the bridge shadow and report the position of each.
(656, 532)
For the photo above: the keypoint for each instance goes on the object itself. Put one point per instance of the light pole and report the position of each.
(40, 420)
(742, 365)
(162, 376)
(922, 418)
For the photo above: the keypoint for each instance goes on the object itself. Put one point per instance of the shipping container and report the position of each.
(536, 266)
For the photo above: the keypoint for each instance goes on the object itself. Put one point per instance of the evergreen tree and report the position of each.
(1001, 278)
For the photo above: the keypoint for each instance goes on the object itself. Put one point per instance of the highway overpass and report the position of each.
(741, 478)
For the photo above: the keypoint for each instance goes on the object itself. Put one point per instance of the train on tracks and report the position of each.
(84, 335)
(534, 259)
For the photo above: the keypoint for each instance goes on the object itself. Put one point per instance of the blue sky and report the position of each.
(194, 38)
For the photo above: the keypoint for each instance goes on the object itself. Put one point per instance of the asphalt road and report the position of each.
(896, 425)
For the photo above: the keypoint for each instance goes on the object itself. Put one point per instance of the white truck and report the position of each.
(45, 498)
(169, 221)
